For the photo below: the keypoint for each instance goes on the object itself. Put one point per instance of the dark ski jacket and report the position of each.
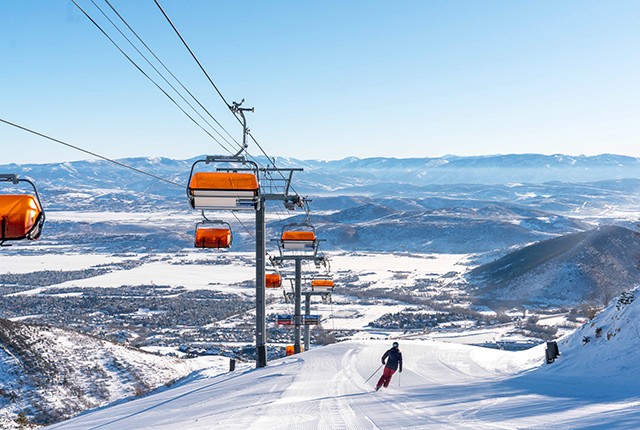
(394, 359)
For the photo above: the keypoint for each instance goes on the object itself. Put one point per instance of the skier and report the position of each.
(393, 363)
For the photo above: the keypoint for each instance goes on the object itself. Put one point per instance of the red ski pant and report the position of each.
(385, 378)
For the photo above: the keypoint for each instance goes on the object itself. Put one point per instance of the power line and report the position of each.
(110, 160)
(148, 77)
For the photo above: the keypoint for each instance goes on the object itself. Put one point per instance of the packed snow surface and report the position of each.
(443, 385)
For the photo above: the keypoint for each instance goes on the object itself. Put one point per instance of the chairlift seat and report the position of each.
(298, 240)
(322, 285)
(21, 217)
(273, 280)
(223, 190)
(213, 238)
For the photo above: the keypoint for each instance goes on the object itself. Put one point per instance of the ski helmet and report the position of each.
(395, 344)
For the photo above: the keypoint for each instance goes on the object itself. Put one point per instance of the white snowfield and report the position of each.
(443, 386)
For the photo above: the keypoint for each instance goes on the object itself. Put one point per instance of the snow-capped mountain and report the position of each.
(489, 169)
(438, 225)
(350, 176)
(449, 204)
(487, 206)
(585, 267)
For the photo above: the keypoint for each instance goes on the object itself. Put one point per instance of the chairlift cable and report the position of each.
(242, 224)
(272, 160)
(92, 153)
(110, 160)
(155, 68)
(184, 42)
(148, 77)
(192, 54)
(172, 74)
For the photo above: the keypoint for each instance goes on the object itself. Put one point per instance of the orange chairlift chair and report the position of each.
(299, 237)
(213, 234)
(226, 188)
(273, 280)
(324, 284)
(21, 215)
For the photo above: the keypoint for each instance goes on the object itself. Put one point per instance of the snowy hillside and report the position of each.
(443, 385)
(607, 347)
(586, 267)
(50, 374)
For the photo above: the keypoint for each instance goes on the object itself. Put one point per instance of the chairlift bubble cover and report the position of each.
(213, 238)
(322, 285)
(223, 191)
(20, 217)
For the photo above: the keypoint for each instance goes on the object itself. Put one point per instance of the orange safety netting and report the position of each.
(224, 181)
(298, 235)
(273, 280)
(322, 283)
(19, 215)
(213, 238)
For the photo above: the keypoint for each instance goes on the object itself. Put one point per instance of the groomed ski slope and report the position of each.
(444, 385)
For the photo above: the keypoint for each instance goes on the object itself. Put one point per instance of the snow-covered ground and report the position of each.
(17, 263)
(54, 373)
(444, 385)
(197, 269)
(232, 272)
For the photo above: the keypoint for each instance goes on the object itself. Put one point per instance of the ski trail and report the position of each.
(442, 386)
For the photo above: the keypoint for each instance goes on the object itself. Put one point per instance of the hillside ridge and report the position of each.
(51, 374)
(575, 268)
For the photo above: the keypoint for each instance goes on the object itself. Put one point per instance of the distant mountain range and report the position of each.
(446, 204)
(354, 175)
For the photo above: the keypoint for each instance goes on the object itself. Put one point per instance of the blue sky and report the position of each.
(329, 79)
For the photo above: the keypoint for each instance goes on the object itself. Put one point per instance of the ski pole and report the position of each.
(376, 371)
(399, 375)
